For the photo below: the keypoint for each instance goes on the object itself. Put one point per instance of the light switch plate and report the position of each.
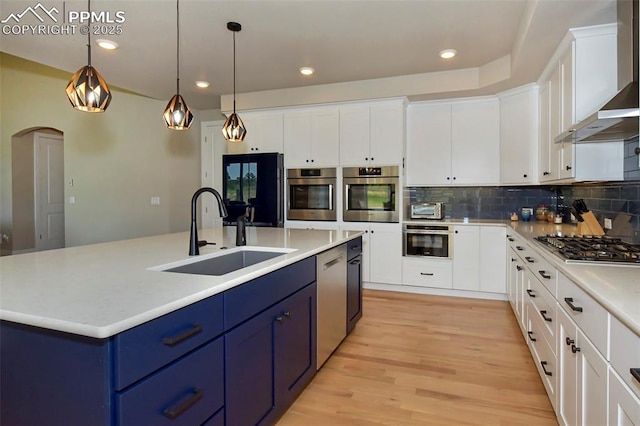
(155, 201)
(607, 223)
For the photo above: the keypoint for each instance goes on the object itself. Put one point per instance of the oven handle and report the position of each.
(425, 232)
(330, 197)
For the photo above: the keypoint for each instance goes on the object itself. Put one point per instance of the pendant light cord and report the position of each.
(178, 46)
(234, 72)
(89, 33)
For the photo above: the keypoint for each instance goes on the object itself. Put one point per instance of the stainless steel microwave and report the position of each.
(426, 211)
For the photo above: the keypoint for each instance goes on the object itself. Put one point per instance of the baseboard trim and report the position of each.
(435, 291)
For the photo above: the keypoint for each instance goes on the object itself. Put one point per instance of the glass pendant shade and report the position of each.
(177, 115)
(233, 129)
(87, 90)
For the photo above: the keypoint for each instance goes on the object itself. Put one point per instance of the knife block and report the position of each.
(590, 226)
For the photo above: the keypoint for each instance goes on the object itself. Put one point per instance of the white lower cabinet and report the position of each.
(479, 258)
(624, 405)
(381, 251)
(425, 272)
(583, 377)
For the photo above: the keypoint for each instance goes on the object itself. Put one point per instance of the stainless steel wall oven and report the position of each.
(371, 194)
(427, 240)
(311, 194)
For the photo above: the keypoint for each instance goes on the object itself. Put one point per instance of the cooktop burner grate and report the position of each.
(593, 249)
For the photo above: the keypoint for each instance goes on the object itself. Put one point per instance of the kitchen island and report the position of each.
(98, 334)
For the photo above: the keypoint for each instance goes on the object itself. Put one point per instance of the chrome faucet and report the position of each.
(194, 248)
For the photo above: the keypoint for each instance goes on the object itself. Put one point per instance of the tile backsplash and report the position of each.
(604, 199)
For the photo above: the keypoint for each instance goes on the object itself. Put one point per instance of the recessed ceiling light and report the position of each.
(107, 44)
(306, 70)
(202, 84)
(448, 53)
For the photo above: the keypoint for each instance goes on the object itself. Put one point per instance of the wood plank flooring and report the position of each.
(427, 360)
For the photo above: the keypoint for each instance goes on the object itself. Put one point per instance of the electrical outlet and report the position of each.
(607, 223)
(155, 201)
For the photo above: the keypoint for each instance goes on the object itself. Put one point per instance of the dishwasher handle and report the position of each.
(332, 262)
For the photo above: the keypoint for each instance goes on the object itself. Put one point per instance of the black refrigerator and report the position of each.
(253, 185)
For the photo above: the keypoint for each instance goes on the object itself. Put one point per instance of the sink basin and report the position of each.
(224, 263)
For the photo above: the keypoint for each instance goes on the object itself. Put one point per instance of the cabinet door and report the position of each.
(545, 170)
(493, 255)
(295, 345)
(466, 259)
(385, 254)
(475, 142)
(354, 135)
(354, 292)
(567, 90)
(518, 137)
(366, 244)
(568, 379)
(264, 134)
(249, 371)
(555, 122)
(624, 406)
(592, 383)
(387, 134)
(297, 139)
(567, 160)
(428, 145)
(325, 139)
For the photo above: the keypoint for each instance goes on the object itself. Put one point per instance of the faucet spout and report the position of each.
(194, 249)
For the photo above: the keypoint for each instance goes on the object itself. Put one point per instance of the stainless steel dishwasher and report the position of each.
(332, 301)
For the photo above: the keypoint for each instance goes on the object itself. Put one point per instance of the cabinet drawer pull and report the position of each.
(569, 341)
(569, 301)
(513, 260)
(519, 268)
(575, 349)
(529, 259)
(519, 248)
(429, 274)
(172, 341)
(544, 368)
(635, 372)
(284, 315)
(544, 275)
(545, 317)
(355, 262)
(510, 239)
(188, 402)
(531, 293)
(530, 334)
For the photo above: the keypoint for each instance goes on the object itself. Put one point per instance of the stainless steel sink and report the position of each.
(224, 263)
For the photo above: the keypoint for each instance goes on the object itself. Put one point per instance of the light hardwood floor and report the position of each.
(427, 360)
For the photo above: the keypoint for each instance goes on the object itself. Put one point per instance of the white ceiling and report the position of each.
(345, 40)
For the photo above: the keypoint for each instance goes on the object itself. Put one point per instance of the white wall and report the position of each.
(117, 160)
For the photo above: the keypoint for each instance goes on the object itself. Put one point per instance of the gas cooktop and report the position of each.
(591, 249)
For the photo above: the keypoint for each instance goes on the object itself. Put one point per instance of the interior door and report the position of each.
(49, 191)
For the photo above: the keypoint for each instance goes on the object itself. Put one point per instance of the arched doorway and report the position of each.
(37, 157)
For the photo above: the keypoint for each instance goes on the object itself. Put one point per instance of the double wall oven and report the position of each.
(311, 194)
(371, 194)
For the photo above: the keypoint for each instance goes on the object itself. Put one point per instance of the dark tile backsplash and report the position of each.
(604, 199)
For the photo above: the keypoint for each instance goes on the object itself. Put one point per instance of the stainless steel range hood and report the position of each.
(618, 118)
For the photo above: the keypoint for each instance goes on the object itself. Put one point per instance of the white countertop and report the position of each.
(616, 288)
(103, 289)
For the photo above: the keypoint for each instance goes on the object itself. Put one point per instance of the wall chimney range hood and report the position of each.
(618, 118)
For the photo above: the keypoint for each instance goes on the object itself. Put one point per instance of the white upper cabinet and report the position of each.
(580, 78)
(372, 133)
(454, 143)
(519, 135)
(264, 133)
(311, 137)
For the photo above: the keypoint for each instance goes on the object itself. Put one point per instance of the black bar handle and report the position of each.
(529, 259)
(531, 293)
(355, 262)
(510, 239)
(188, 402)
(519, 248)
(429, 274)
(569, 301)
(544, 275)
(544, 368)
(519, 268)
(635, 372)
(545, 317)
(575, 349)
(513, 260)
(569, 341)
(172, 341)
(530, 334)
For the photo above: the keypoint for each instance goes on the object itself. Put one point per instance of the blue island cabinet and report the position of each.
(256, 339)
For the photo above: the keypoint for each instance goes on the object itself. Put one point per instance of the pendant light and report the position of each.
(87, 91)
(233, 129)
(177, 115)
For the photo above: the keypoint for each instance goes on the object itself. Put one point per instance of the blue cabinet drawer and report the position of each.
(246, 300)
(354, 248)
(187, 392)
(150, 346)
